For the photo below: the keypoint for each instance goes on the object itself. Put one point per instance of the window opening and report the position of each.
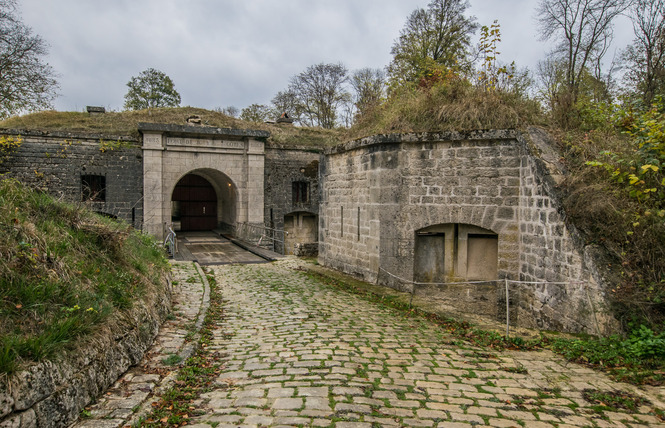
(300, 192)
(93, 188)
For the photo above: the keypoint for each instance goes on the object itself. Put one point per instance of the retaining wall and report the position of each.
(381, 193)
(52, 393)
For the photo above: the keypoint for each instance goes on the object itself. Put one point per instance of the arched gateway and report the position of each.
(201, 177)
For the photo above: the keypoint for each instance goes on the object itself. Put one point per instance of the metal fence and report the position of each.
(261, 236)
(500, 299)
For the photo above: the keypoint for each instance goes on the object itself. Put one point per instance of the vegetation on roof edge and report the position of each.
(125, 123)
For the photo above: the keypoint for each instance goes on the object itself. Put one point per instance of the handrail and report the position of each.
(171, 243)
(258, 234)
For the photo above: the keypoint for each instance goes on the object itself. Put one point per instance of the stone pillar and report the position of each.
(255, 184)
(153, 192)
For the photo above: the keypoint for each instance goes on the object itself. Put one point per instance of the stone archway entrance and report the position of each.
(230, 160)
(204, 199)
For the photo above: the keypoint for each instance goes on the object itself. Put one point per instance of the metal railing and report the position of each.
(505, 293)
(171, 243)
(261, 236)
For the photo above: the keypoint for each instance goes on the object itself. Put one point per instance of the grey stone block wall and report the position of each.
(551, 251)
(379, 191)
(282, 168)
(55, 161)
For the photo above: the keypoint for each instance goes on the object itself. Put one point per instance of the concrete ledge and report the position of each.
(423, 137)
(68, 135)
(202, 130)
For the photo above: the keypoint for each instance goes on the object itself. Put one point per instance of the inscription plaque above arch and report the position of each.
(172, 151)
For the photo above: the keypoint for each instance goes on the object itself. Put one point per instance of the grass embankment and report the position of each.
(63, 272)
(452, 104)
(125, 123)
(615, 195)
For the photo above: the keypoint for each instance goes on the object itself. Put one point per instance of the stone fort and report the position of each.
(422, 210)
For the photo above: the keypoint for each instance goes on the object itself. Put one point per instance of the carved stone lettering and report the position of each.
(201, 142)
(153, 139)
(232, 144)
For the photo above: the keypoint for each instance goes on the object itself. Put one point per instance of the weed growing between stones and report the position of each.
(172, 360)
(197, 376)
(627, 360)
(519, 370)
(613, 400)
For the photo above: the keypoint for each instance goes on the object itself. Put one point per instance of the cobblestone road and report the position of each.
(130, 398)
(297, 353)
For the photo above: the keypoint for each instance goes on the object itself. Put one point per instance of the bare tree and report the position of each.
(584, 30)
(231, 111)
(646, 56)
(26, 81)
(320, 91)
(550, 78)
(369, 86)
(286, 102)
(439, 35)
(257, 113)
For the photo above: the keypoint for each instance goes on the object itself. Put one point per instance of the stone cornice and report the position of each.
(424, 137)
(66, 134)
(202, 131)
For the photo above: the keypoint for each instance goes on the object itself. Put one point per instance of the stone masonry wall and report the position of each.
(282, 168)
(55, 162)
(379, 191)
(551, 251)
(52, 393)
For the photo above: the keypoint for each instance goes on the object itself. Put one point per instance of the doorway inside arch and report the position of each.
(194, 204)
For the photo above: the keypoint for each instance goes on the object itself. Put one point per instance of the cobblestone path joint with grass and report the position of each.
(295, 352)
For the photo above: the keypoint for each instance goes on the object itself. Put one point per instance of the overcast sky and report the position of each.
(238, 52)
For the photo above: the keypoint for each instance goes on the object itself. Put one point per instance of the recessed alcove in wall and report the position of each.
(448, 252)
(300, 227)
